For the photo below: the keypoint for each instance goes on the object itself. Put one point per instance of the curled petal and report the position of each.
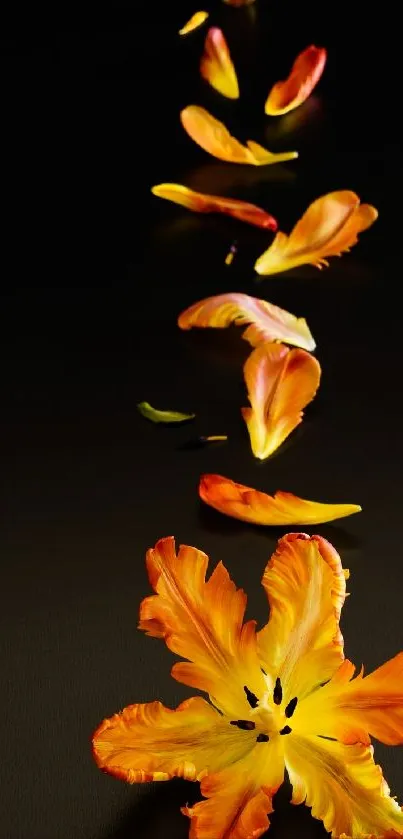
(343, 786)
(196, 20)
(201, 203)
(216, 66)
(256, 507)
(216, 140)
(267, 322)
(305, 74)
(155, 415)
(202, 621)
(280, 383)
(329, 227)
(306, 588)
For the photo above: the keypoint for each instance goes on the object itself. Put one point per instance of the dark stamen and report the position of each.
(291, 707)
(262, 738)
(263, 671)
(278, 693)
(252, 699)
(245, 725)
(286, 730)
(323, 737)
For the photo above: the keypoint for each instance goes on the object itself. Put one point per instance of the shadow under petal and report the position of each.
(221, 178)
(156, 812)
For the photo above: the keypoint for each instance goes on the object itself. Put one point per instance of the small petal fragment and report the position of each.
(329, 227)
(216, 66)
(198, 202)
(304, 76)
(216, 140)
(280, 383)
(196, 20)
(256, 507)
(267, 322)
(155, 415)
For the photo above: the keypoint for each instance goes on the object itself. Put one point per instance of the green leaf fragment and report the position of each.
(155, 415)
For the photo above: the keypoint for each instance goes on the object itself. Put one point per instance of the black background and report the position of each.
(94, 273)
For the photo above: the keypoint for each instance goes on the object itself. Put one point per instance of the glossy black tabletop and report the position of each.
(95, 272)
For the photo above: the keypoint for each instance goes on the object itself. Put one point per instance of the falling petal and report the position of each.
(329, 227)
(215, 139)
(196, 20)
(155, 415)
(198, 202)
(214, 438)
(267, 322)
(216, 66)
(304, 76)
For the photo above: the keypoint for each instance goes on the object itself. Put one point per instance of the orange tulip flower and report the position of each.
(268, 710)
(305, 74)
(216, 66)
(201, 203)
(256, 507)
(195, 21)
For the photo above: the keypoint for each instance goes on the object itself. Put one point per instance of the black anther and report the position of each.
(291, 707)
(245, 725)
(286, 730)
(278, 693)
(252, 699)
(262, 738)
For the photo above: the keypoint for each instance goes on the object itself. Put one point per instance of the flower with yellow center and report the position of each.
(282, 698)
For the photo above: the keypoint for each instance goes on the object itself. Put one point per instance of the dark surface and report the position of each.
(95, 272)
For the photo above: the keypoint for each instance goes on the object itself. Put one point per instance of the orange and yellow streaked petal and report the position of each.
(198, 202)
(304, 76)
(329, 227)
(216, 65)
(194, 22)
(280, 383)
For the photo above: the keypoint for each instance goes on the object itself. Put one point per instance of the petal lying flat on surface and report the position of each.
(350, 711)
(267, 322)
(201, 203)
(240, 797)
(343, 785)
(256, 507)
(280, 383)
(215, 139)
(196, 20)
(153, 743)
(329, 227)
(155, 415)
(216, 66)
(202, 622)
(306, 588)
(304, 76)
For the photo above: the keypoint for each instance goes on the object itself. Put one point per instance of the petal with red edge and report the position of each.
(195, 21)
(293, 91)
(202, 621)
(198, 202)
(216, 140)
(329, 227)
(267, 322)
(256, 507)
(153, 743)
(306, 587)
(239, 799)
(216, 66)
(280, 383)
(342, 785)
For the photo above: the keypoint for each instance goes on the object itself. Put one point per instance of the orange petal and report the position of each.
(280, 383)
(267, 322)
(153, 743)
(343, 786)
(239, 798)
(201, 203)
(196, 20)
(216, 66)
(329, 227)
(256, 507)
(306, 588)
(202, 622)
(305, 74)
(215, 139)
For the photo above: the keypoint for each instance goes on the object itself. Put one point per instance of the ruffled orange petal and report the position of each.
(350, 711)
(304, 76)
(216, 66)
(280, 383)
(202, 622)
(195, 21)
(306, 587)
(153, 743)
(256, 507)
(239, 799)
(216, 140)
(201, 203)
(343, 785)
(267, 322)
(329, 227)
